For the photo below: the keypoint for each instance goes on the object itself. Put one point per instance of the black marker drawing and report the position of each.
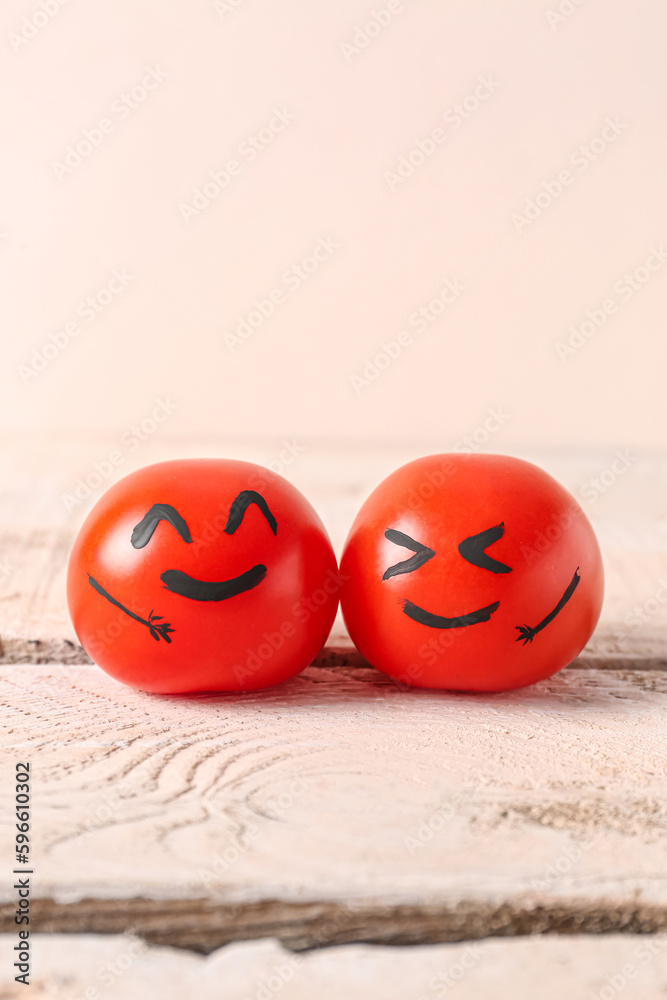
(472, 549)
(528, 633)
(204, 590)
(438, 621)
(423, 554)
(180, 583)
(241, 504)
(143, 532)
(157, 628)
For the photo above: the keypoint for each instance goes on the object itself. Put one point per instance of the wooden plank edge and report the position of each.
(336, 654)
(64, 651)
(203, 925)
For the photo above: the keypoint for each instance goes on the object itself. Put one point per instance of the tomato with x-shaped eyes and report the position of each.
(471, 572)
(202, 575)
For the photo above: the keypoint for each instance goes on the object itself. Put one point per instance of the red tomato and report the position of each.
(471, 572)
(202, 574)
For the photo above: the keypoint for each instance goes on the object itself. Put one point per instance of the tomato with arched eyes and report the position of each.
(202, 574)
(471, 572)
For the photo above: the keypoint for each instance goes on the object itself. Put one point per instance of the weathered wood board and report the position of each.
(336, 808)
(547, 968)
(624, 495)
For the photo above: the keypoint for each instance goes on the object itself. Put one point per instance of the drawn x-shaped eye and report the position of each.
(472, 549)
(422, 554)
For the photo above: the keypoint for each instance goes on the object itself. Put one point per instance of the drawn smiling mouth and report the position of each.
(204, 590)
(526, 632)
(439, 621)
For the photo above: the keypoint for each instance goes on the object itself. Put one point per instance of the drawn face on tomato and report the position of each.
(202, 574)
(471, 572)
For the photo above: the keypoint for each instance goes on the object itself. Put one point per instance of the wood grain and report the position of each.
(118, 967)
(38, 526)
(336, 808)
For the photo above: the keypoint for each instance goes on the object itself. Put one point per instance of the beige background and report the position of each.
(356, 112)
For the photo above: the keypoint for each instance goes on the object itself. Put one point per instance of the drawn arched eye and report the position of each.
(144, 531)
(422, 554)
(241, 504)
(472, 549)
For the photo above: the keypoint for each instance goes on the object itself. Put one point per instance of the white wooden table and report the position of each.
(335, 809)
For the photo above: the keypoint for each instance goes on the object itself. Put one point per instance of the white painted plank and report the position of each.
(441, 816)
(548, 968)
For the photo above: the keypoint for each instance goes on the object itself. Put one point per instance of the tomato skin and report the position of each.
(545, 542)
(253, 639)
